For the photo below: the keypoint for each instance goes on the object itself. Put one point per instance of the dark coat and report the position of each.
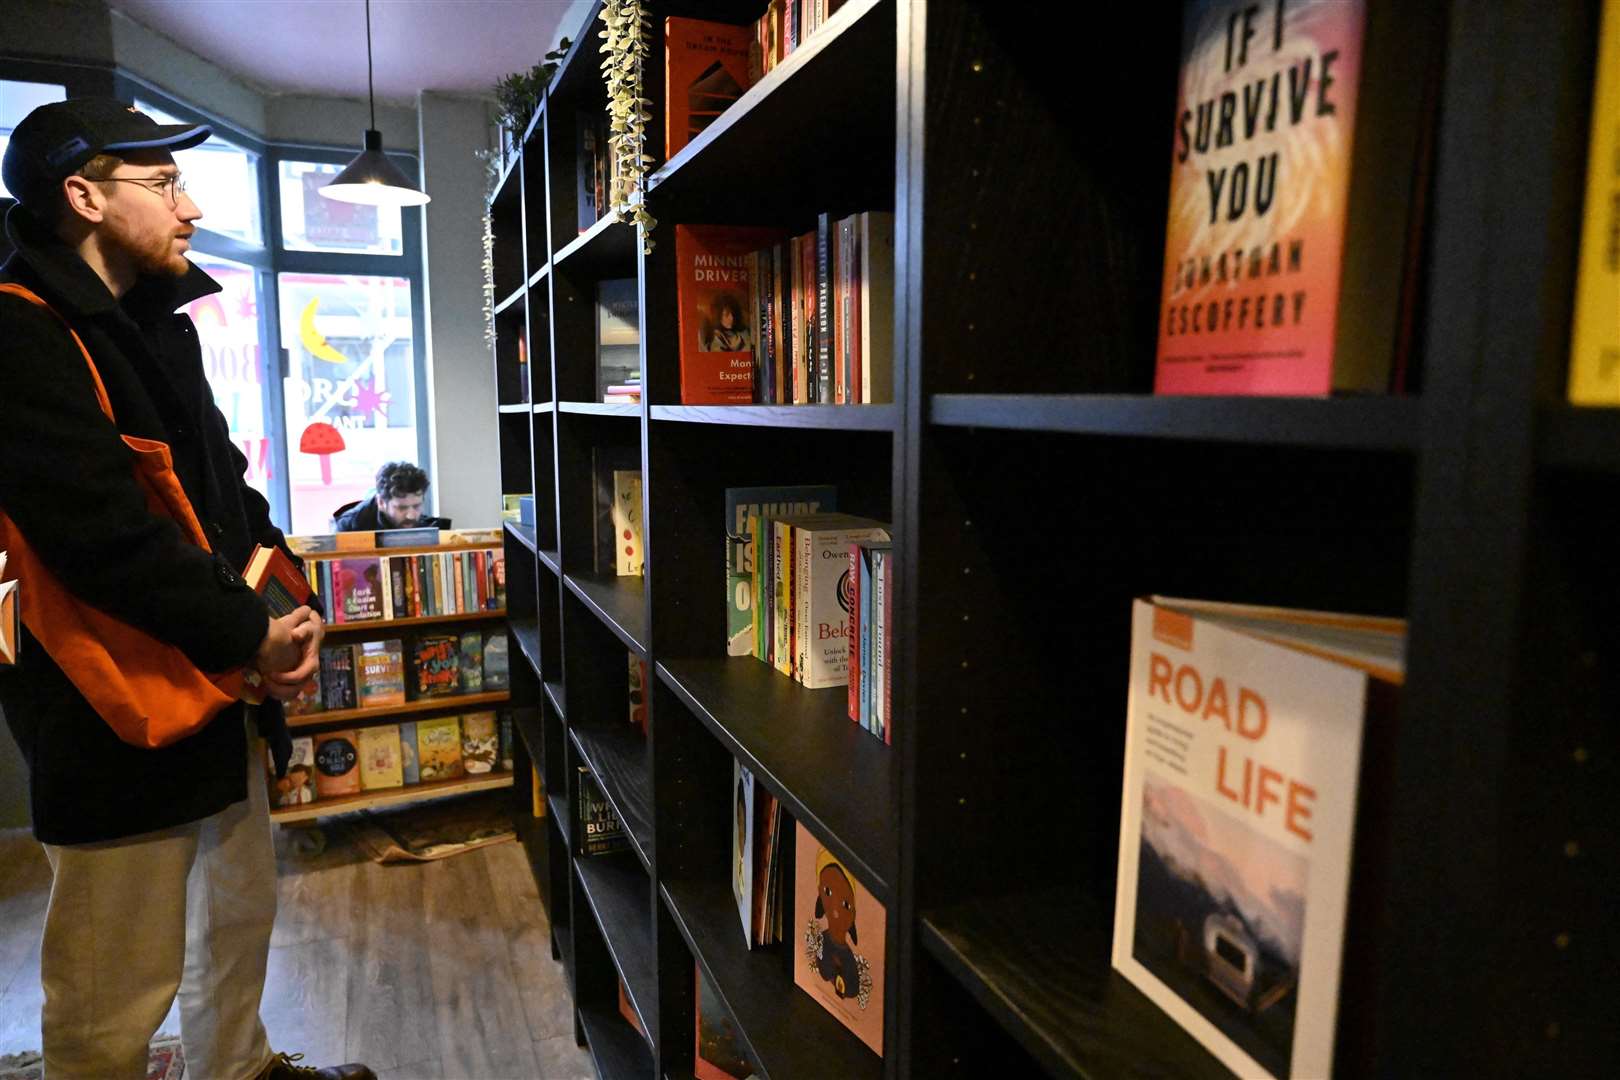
(66, 480)
(363, 516)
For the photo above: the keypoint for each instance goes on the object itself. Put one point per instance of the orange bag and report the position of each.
(147, 691)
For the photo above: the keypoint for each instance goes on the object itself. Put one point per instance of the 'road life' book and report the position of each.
(1242, 752)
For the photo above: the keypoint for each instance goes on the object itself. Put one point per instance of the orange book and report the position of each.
(712, 287)
(705, 70)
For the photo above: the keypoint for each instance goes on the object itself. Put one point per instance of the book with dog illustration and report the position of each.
(1242, 747)
(840, 940)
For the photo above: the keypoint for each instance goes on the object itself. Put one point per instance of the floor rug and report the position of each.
(432, 830)
(166, 1062)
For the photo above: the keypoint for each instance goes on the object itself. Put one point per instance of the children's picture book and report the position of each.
(1295, 216)
(742, 847)
(337, 677)
(840, 959)
(438, 748)
(714, 313)
(607, 461)
(380, 679)
(1242, 748)
(766, 503)
(380, 758)
(638, 692)
(298, 787)
(497, 676)
(472, 661)
(1594, 344)
(627, 546)
(480, 743)
(618, 336)
(308, 700)
(337, 764)
(409, 768)
(435, 666)
(358, 585)
(705, 70)
(719, 1054)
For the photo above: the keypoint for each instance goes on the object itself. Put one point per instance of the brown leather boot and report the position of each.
(286, 1067)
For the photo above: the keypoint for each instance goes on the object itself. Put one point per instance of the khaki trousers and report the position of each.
(133, 921)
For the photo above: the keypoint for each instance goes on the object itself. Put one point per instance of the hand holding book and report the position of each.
(290, 652)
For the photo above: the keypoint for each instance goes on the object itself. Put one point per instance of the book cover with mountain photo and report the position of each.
(1243, 742)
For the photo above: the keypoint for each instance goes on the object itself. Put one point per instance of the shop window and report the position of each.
(17, 100)
(228, 329)
(310, 222)
(222, 179)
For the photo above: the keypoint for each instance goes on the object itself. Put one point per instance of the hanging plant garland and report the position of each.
(492, 174)
(625, 49)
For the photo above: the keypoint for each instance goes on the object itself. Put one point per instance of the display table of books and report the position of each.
(408, 702)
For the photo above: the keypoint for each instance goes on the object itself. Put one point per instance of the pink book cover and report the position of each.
(840, 959)
(1260, 177)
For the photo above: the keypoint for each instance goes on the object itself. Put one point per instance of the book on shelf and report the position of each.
(840, 961)
(471, 669)
(874, 315)
(742, 847)
(357, 590)
(380, 673)
(435, 666)
(506, 736)
(337, 677)
(1300, 164)
(604, 832)
(741, 587)
(881, 708)
(628, 1010)
(638, 693)
(480, 742)
(626, 519)
(272, 575)
(719, 1053)
(421, 536)
(297, 788)
(705, 69)
(497, 673)
(337, 764)
(537, 793)
(866, 630)
(381, 759)
(618, 338)
(410, 768)
(820, 584)
(438, 748)
(10, 617)
(586, 157)
(1594, 347)
(1244, 728)
(712, 290)
(768, 871)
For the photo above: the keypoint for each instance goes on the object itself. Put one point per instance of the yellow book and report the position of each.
(380, 765)
(438, 748)
(1594, 351)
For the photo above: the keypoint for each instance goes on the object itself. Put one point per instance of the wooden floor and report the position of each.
(431, 971)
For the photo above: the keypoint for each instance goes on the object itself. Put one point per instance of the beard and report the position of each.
(161, 258)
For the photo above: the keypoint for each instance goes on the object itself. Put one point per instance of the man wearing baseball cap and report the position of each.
(164, 877)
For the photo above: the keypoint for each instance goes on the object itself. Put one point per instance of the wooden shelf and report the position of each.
(600, 408)
(543, 408)
(617, 890)
(618, 1052)
(554, 694)
(786, 1032)
(526, 722)
(368, 625)
(376, 800)
(829, 772)
(619, 602)
(517, 296)
(361, 717)
(559, 813)
(1361, 423)
(618, 758)
(367, 552)
(605, 250)
(508, 171)
(523, 534)
(1579, 438)
(520, 408)
(551, 559)
(527, 634)
(823, 94)
(539, 275)
(830, 417)
(1039, 964)
(577, 82)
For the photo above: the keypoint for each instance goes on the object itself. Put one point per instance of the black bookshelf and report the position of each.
(1035, 485)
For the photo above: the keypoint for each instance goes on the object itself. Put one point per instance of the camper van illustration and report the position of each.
(1232, 955)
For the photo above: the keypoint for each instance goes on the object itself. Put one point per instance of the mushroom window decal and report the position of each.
(324, 440)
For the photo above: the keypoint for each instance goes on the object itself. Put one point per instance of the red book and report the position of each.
(717, 333)
(273, 576)
(705, 70)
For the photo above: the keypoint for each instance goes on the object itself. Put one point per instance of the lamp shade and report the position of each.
(373, 180)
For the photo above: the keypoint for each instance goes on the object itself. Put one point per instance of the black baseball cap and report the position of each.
(54, 140)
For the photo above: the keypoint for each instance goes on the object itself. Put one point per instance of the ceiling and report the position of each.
(319, 46)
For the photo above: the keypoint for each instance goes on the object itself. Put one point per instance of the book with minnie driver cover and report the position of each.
(714, 309)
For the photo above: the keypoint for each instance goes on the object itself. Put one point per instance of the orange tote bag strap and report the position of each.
(147, 691)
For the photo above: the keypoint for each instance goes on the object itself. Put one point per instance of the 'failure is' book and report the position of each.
(1242, 748)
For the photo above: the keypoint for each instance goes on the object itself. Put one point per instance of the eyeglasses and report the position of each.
(170, 187)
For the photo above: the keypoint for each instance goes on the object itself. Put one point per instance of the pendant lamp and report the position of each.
(371, 178)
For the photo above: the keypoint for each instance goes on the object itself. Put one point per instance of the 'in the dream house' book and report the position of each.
(1242, 756)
